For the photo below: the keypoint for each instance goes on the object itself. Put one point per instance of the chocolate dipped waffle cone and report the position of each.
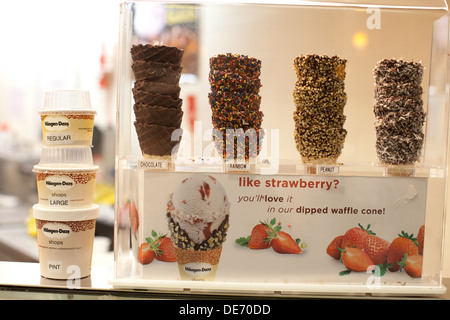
(159, 53)
(159, 72)
(156, 99)
(168, 117)
(172, 90)
(157, 140)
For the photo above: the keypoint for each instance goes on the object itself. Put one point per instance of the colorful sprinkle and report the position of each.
(235, 103)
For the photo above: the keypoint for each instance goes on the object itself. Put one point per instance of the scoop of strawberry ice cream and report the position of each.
(199, 205)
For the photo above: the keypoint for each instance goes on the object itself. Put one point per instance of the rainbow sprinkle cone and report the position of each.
(235, 102)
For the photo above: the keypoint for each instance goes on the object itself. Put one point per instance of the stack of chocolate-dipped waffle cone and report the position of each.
(156, 94)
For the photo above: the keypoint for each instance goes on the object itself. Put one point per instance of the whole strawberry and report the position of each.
(376, 248)
(259, 237)
(403, 244)
(334, 246)
(165, 251)
(354, 237)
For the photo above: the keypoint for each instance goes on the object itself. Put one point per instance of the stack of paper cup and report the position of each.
(66, 213)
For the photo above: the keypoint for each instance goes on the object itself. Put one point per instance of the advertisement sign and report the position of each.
(279, 228)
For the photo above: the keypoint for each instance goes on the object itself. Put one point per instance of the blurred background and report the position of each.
(45, 45)
(54, 44)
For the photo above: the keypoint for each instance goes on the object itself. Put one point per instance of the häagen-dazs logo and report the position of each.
(197, 269)
(56, 230)
(59, 182)
(56, 123)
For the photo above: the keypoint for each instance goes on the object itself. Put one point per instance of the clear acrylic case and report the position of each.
(311, 201)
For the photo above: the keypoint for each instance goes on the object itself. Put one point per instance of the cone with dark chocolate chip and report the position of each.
(398, 111)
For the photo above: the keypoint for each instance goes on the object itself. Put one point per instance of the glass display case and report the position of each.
(296, 147)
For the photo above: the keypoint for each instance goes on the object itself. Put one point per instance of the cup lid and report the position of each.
(67, 155)
(70, 100)
(65, 214)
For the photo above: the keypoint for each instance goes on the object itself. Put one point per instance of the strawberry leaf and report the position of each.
(243, 241)
(345, 272)
(402, 263)
(273, 221)
(403, 234)
(380, 269)
(370, 232)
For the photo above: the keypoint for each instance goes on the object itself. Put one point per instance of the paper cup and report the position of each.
(66, 186)
(67, 118)
(65, 241)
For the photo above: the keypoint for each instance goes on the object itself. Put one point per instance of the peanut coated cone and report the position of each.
(168, 117)
(157, 140)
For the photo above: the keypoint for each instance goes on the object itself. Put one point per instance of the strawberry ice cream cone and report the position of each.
(198, 216)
